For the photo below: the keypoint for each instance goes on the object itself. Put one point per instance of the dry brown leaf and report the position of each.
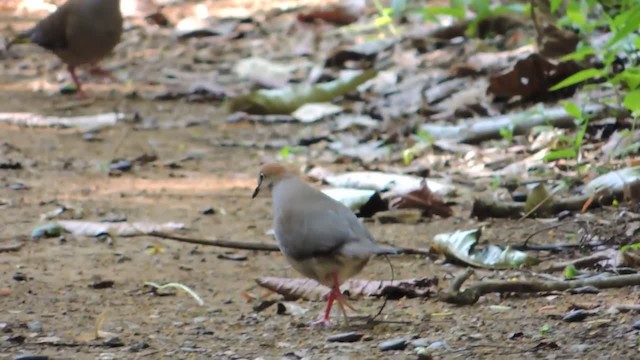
(531, 79)
(340, 13)
(308, 289)
(421, 198)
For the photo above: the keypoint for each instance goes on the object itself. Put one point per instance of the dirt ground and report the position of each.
(55, 300)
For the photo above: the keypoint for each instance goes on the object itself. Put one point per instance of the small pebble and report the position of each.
(519, 196)
(101, 284)
(234, 257)
(31, 357)
(421, 342)
(18, 276)
(138, 347)
(636, 325)
(120, 166)
(208, 211)
(345, 337)
(35, 326)
(113, 342)
(436, 345)
(393, 344)
(575, 315)
(584, 290)
(18, 186)
(90, 137)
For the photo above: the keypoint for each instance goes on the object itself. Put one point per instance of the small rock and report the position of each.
(90, 137)
(636, 325)
(19, 276)
(584, 290)
(203, 331)
(200, 319)
(208, 211)
(578, 348)
(31, 357)
(345, 337)
(16, 339)
(113, 342)
(423, 354)
(234, 257)
(436, 345)
(101, 284)
(35, 326)
(421, 342)
(519, 196)
(120, 166)
(393, 344)
(575, 316)
(18, 186)
(138, 347)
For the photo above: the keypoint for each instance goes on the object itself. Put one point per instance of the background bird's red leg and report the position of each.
(74, 77)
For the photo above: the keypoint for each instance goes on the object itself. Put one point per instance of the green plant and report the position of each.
(506, 132)
(483, 10)
(571, 152)
(624, 39)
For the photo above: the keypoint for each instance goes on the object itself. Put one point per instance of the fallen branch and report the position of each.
(84, 123)
(11, 247)
(580, 263)
(471, 294)
(242, 245)
(478, 130)
(484, 208)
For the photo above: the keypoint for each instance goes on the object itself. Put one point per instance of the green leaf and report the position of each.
(568, 153)
(573, 110)
(577, 78)
(457, 13)
(630, 21)
(570, 272)
(579, 55)
(407, 156)
(284, 152)
(555, 4)
(634, 246)
(545, 329)
(632, 101)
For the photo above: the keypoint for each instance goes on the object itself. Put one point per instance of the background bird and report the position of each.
(79, 32)
(319, 236)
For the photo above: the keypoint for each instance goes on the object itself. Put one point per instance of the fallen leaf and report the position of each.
(288, 99)
(421, 198)
(531, 79)
(339, 13)
(92, 229)
(308, 289)
(461, 246)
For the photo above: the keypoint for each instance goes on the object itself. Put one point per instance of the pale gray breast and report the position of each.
(309, 224)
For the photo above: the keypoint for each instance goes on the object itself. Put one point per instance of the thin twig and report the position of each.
(242, 245)
(384, 302)
(219, 243)
(534, 19)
